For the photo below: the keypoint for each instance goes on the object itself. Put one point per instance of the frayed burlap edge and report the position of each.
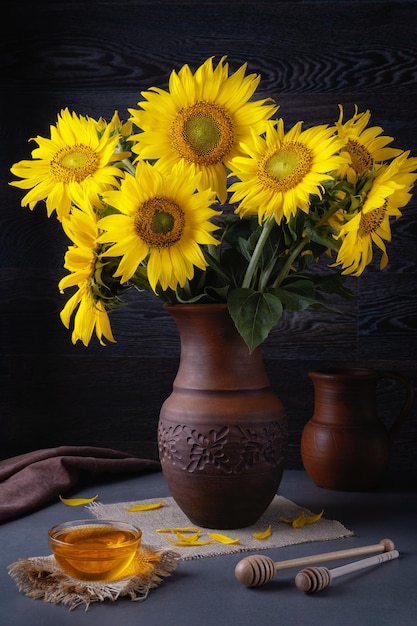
(42, 578)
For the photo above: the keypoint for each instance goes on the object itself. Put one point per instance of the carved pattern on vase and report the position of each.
(167, 440)
(266, 444)
(208, 448)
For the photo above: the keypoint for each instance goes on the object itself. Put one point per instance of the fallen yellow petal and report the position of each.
(77, 501)
(263, 535)
(222, 538)
(145, 507)
(306, 519)
(302, 520)
(178, 529)
(184, 543)
(193, 537)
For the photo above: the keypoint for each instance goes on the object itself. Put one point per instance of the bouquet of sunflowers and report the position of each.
(202, 196)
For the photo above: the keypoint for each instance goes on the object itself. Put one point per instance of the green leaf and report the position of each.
(335, 284)
(140, 279)
(254, 314)
(296, 295)
(245, 247)
(237, 228)
(323, 236)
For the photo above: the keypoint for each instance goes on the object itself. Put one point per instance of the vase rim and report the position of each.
(194, 306)
(347, 371)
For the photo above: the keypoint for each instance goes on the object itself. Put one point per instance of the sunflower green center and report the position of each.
(360, 158)
(371, 221)
(286, 167)
(202, 133)
(74, 163)
(159, 222)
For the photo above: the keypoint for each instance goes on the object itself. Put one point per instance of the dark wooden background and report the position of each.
(95, 57)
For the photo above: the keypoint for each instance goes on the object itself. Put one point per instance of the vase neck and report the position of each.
(213, 354)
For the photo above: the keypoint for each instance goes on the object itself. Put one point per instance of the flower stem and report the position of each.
(290, 259)
(333, 209)
(129, 167)
(263, 238)
(300, 247)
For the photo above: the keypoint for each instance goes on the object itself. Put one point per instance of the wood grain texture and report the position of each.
(96, 57)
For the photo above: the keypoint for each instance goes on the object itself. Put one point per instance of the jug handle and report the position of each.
(393, 431)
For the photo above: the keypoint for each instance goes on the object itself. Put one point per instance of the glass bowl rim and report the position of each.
(95, 522)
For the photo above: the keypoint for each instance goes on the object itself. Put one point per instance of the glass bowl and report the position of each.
(94, 549)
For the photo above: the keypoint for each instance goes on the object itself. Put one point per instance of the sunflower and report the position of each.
(281, 170)
(77, 157)
(200, 121)
(371, 225)
(83, 261)
(162, 222)
(365, 147)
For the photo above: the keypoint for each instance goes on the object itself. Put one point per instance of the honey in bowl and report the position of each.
(94, 550)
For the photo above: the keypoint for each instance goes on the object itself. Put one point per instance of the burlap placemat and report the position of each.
(40, 577)
(170, 516)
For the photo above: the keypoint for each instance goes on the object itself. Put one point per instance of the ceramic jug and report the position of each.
(345, 446)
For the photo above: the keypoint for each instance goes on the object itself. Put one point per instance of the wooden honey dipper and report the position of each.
(257, 569)
(313, 579)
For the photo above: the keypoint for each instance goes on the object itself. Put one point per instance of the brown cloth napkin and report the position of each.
(31, 480)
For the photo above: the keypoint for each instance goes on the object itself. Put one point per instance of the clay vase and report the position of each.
(345, 446)
(222, 432)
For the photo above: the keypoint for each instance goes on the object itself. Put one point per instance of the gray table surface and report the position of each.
(205, 592)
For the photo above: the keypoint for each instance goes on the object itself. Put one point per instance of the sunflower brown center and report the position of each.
(285, 168)
(360, 158)
(202, 133)
(160, 222)
(371, 221)
(74, 163)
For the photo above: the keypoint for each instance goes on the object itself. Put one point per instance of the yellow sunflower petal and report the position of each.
(77, 501)
(178, 529)
(264, 534)
(194, 537)
(188, 541)
(222, 538)
(302, 519)
(180, 539)
(146, 507)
